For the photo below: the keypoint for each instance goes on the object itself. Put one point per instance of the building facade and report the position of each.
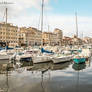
(8, 35)
(29, 36)
(54, 38)
(87, 40)
(72, 40)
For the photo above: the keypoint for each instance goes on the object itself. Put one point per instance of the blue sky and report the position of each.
(64, 7)
(57, 14)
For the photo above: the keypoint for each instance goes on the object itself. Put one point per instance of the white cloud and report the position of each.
(17, 15)
(65, 23)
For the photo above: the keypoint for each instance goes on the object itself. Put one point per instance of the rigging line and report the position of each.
(76, 18)
(3, 16)
(42, 82)
(39, 22)
(46, 15)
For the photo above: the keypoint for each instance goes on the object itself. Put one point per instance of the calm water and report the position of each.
(47, 77)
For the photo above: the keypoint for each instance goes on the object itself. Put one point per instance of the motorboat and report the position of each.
(59, 58)
(41, 58)
(5, 54)
(21, 57)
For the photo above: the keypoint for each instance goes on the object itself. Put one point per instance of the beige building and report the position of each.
(67, 40)
(76, 40)
(22, 39)
(54, 38)
(29, 36)
(72, 40)
(8, 34)
(87, 40)
(34, 36)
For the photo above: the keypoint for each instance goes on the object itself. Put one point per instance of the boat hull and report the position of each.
(61, 60)
(79, 60)
(4, 57)
(41, 59)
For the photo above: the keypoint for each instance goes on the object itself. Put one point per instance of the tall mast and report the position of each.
(6, 10)
(76, 24)
(49, 34)
(42, 22)
(6, 25)
(6, 16)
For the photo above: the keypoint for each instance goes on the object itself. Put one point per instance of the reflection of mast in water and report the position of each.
(42, 82)
(78, 82)
(42, 77)
(7, 80)
(78, 67)
(89, 62)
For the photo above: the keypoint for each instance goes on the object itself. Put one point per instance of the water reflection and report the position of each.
(4, 68)
(48, 66)
(60, 66)
(46, 77)
(79, 67)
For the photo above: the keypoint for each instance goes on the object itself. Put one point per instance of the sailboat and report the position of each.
(61, 58)
(44, 55)
(80, 57)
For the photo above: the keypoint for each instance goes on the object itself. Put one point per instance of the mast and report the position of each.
(49, 34)
(6, 25)
(42, 22)
(6, 16)
(6, 10)
(82, 35)
(76, 24)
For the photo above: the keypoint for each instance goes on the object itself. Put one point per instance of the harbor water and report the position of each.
(48, 77)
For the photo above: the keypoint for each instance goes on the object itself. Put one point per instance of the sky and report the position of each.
(57, 14)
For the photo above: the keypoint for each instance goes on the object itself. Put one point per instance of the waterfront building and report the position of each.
(87, 40)
(72, 40)
(76, 40)
(32, 36)
(22, 37)
(53, 38)
(8, 35)
(29, 36)
(67, 40)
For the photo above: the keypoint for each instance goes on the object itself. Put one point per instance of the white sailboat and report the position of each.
(60, 58)
(40, 57)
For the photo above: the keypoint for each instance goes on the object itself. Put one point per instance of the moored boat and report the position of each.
(43, 58)
(79, 60)
(21, 57)
(59, 58)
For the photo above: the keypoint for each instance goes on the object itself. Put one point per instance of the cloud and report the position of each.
(19, 6)
(68, 25)
(65, 23)
(17, 14)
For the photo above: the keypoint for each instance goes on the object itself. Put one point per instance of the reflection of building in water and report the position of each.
(5, 84)
(5, 67)
(48, 66)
